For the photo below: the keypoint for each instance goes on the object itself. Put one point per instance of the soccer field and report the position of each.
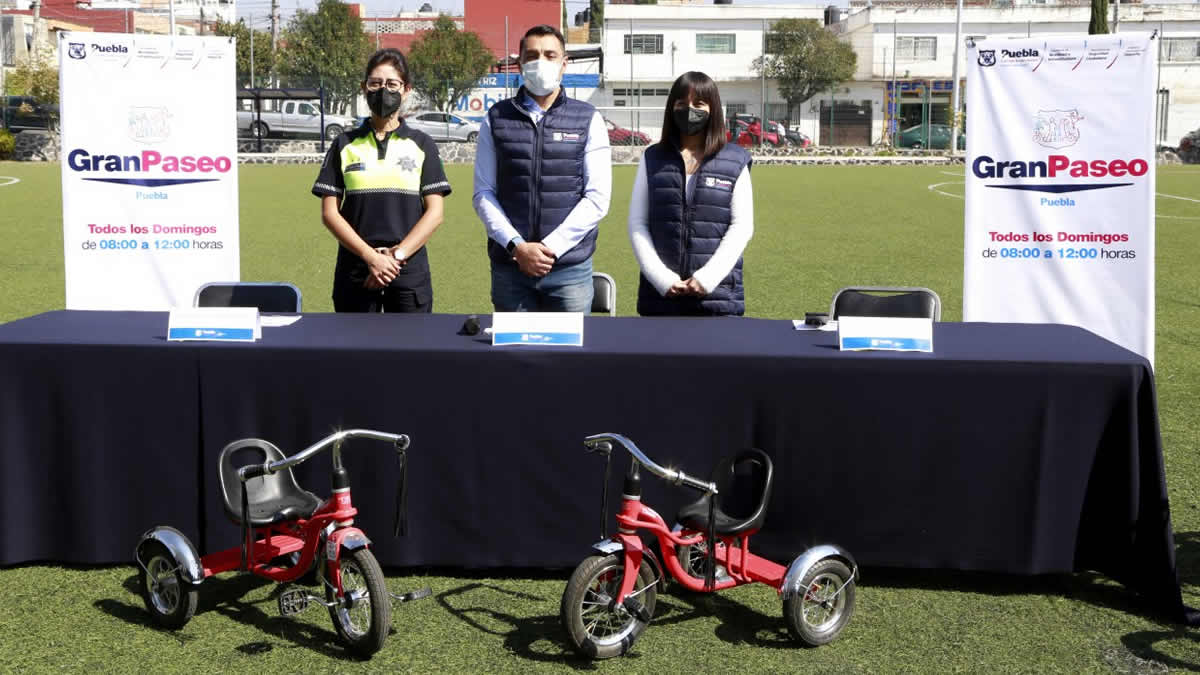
(818, 228)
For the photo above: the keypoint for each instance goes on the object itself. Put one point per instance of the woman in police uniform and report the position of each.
(381, 191)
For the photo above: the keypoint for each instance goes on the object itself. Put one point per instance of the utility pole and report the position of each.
(250, 25)
(202, 19)
(36, 6)
(3, 121)
(171, 16)
(762, 135)
(377, 32)
(274, 25)
(1116, 16)
(954, 71)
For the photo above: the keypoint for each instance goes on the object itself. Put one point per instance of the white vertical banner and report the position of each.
(1060, 184)
(149, 168)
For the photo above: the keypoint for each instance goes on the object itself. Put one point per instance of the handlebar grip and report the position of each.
(696, 483)
(402, 442)
(598, 446)
(253, 471)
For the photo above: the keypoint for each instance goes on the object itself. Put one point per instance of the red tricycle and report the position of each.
(286, 532)
(610, 598)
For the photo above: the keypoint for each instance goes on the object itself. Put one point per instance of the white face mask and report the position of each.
(541, 76)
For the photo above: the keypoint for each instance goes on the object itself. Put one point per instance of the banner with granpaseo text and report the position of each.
(149, 168)
(1060, 184)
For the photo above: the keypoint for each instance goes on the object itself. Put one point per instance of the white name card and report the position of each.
(885, 333)
(228, 324)
(563, 329)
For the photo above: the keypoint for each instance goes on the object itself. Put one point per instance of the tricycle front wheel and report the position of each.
(597, 629)
(362, 619)
(170, 599)
(818, 612)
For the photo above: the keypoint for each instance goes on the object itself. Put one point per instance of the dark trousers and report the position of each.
(392, 299)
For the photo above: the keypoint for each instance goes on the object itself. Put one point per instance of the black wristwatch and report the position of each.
(512, 245)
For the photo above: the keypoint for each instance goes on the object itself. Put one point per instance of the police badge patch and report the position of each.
(407, 163)
(987, 57)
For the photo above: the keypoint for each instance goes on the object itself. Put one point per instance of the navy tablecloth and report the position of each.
(1012, 448)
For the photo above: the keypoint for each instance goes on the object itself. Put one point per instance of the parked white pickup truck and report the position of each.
(296, 118)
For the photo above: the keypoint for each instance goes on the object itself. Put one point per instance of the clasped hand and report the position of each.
(534, 258)
(686, 287)
(382, 267)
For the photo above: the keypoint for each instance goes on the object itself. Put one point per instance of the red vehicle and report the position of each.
(610, 598)
(286, 532)
(748, 131)
(618, 135)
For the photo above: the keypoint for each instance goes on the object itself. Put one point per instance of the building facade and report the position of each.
(904, 68)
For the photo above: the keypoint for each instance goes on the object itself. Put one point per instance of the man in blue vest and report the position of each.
(543, 178)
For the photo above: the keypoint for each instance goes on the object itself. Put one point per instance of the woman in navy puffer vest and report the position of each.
(692, 210)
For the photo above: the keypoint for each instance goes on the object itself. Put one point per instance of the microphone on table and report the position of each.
(470, 326)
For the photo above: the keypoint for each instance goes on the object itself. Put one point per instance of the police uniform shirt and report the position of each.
(382, 185)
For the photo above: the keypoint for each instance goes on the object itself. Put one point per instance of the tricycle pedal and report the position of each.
(293, 601)
(412, 595)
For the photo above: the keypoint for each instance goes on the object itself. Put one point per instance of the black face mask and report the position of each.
(691, 121)
(384, 103)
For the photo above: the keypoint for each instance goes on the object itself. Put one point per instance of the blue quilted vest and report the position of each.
(686, 235)
(539, 170)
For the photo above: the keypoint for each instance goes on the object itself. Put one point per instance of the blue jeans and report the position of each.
(564, 289)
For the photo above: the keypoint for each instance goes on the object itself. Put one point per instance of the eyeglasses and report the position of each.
(375, 84)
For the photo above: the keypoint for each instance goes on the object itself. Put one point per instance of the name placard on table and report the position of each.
(857, 333)
(559, 329)
(224, 324)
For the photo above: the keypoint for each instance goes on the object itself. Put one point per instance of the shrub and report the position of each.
(7, 144)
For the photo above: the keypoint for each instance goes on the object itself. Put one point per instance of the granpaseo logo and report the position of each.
(1058, 167)
(146, 162)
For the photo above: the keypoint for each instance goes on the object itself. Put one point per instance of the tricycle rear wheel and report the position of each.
(823, 605)
(170, 599)
(364, 626)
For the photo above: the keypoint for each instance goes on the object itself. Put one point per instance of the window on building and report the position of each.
(716, 43)
(643, 44)
(620, 92)
(1181, 49)
(732, 109)
(775, 43)
(619, 104)
(916, 48)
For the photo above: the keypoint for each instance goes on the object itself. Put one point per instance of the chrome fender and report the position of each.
(180, 547)
(805, 561)
(344, 539)
(607, 546)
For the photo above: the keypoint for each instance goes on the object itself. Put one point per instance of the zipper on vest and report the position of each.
(685, 237)
(535, 205)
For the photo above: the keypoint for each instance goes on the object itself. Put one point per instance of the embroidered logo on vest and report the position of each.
(563, 136)
(713, 181)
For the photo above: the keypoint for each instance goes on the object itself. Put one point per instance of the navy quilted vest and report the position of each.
(686, 235)
(539, 170)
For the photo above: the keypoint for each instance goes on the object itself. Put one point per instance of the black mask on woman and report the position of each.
(691, 120)
(384, 103)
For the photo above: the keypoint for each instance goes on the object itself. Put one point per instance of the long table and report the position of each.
(1013, 448)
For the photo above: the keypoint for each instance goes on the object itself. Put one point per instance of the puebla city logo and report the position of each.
(76, 50)
(987, 57)
(1056, 128)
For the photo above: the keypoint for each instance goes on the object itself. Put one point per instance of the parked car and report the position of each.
(444, 126)
(23, 112)
(749, 133)
(1189, 148)
(938, 138)
(619, 135)
(295, 118)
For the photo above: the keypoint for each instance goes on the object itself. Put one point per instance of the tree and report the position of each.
(264, 55)
(328, 48)
(1099, 23)
(446, 62)
(596, 20)
(805, 59)
(34, 77)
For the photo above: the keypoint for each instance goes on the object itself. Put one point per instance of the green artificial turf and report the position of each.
(817, 229)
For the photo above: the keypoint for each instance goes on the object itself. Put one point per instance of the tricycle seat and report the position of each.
(744, 485)
(272, 499)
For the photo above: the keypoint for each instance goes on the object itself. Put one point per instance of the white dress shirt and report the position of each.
(741, 228)
(587, 214)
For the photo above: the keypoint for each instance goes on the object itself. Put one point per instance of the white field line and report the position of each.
(935, 188)
(9, 181)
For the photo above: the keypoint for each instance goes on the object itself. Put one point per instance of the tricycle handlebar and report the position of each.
(249, 471)
(604, 443)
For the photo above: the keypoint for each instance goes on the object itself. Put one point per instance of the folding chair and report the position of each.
(276, 296)
(891, 301)
(604, 294)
